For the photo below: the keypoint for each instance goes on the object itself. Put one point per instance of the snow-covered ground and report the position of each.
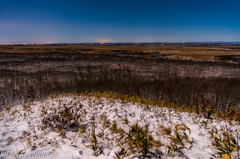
(36, 129)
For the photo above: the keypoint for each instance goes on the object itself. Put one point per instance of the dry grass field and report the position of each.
(36, 71)
(198, 53)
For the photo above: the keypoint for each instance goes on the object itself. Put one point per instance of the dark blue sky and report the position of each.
(76, 21)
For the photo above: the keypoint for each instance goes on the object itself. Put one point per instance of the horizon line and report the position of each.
(118, 42)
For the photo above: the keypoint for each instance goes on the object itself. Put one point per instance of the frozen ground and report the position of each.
(39, 128)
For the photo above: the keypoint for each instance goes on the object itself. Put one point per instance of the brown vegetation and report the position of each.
(187, 52)
(204, 85)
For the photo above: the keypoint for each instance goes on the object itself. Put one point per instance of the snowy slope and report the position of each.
(22, 130)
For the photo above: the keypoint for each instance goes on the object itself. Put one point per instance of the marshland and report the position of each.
(109, 101)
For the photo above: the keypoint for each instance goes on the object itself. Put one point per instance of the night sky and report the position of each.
(80, 21)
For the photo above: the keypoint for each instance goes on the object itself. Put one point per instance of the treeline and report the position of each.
(25, 78)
